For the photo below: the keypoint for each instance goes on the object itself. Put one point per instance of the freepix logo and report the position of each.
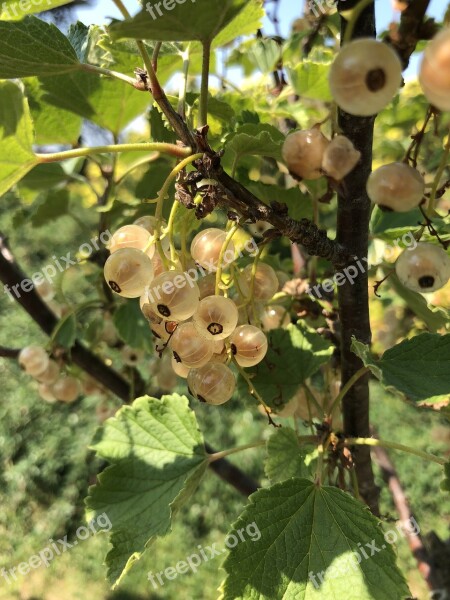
(12, 10)
(156, 9)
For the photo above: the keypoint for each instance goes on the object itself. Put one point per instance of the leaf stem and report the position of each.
(225, 453)
(355, 14)
(312, 398)
(203, 108)
(350, 383)
(251, 387)
(171, 149)
(394, 446)
(115, 74)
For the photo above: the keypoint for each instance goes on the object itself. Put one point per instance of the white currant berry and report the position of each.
(206, 247)
(190, 347)
(434, 74)
(45, 290)
(340, 158)
(173, 296)
(216, 317)
(275, 317)
(34, 360)
(51, 373)
(163, 330)
(180, 369)
(396, 186)
(424, 269)
(214, 383)
(45, 392)
(365, 76)
(132, 236)
(265, 284)
(303, 153)
(128, 271)
(131, 356)
(259, 228)
(159, 266)
(66, 389)
(207, 286)
(248, 345)
(150, 223)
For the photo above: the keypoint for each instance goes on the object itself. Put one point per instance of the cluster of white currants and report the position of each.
(53, 385)
(205, 331)
(310, 155)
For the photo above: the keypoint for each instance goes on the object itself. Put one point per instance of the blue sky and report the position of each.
(103, 10)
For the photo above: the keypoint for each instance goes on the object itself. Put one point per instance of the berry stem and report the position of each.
(252, 389)
(170, 227)
(356, 12)
(442, 166)
(171, 149)
(225, 245)
(350, 383)
(394, 446)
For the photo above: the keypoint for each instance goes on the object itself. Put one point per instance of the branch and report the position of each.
(9, 352)
(425, 562)
(353, 233)
(412, 29)
(11, 275)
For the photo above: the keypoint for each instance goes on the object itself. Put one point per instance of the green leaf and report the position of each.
(12, 10)
(286, 457)
(311, 540)
(264, 54)
(16, 136)
(445, 485)
(132, 327)
(201, 20)
(158, 459)
(247, 22)
(34, 47)
(49, 207)
(310, 80)
(418, 368)
(255, 140)
(65, 333)
(298, 203)
(43, 177)
(294, 354)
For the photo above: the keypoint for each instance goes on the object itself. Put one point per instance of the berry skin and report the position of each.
(193, 350)
(259, 228)
(207, 285)
(180, 369)
(34, 360)
(365, 76)
(265, 284)
(248, 345)
(216, 317)
(206, 247)
(424, 269)
(131, 236)
(51, 373)
(275, 317)
(434, 74)
(213, 383)
(45, 392)
(340, 158)
(128, 271)
(303, 153)
(173, 296)
(66, 389)
(131, 356)
(396, 186)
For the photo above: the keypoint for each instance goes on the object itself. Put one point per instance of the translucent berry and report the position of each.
(180, 369)
(213, 383)
(66, 389)
(365, 76)
(396, 186)
(206, 248)
(51, 373)
(131, 236)
(131, 356)
(207, 285)
(265, 284)
(150, 224)
(190, 347)
(259, 228)
(340, 158)
(216, 317)
(434, 75)
(248, 345)
(45, 392)
(303, 153)
(128, 271)
(173, 296)
(275, 317)
(34, 360)
(423, 269)
(45, 290)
